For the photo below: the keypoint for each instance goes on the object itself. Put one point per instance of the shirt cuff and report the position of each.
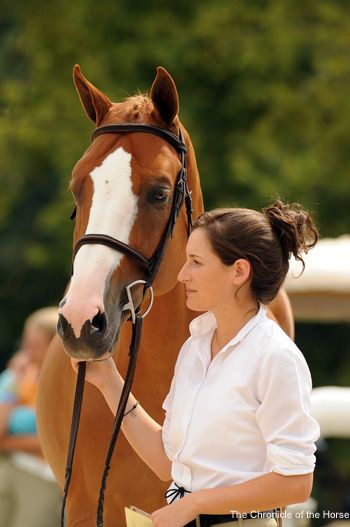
(289, 462)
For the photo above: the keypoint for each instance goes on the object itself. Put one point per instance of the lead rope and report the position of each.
(134, 347)
(78, 399)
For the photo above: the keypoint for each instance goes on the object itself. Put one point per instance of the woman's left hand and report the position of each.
(176, 514)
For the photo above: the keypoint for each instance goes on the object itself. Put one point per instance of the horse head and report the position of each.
(124, 187)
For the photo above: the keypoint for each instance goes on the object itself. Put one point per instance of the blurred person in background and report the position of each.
(29, 495)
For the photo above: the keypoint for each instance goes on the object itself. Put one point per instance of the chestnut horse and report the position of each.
(123, 187)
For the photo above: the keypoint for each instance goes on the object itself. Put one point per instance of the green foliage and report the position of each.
(264, 94)
(263, 88)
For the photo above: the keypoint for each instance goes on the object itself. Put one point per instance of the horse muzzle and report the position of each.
(97, 337)
(98, 334)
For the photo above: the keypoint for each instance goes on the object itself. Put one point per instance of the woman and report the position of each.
(237, 435)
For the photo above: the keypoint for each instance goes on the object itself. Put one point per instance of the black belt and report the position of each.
(207, 520)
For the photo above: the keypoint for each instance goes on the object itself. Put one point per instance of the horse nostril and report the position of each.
(62, 326)
(62, 303)
(98, 323)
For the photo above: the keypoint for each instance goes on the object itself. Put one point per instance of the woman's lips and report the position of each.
(189, 291)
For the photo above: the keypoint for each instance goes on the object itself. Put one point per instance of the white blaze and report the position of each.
(113, 212)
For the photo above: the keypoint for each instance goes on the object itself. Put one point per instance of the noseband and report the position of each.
(150, 267)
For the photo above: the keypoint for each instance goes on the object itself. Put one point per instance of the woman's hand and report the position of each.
(176, 514)
(101, 374)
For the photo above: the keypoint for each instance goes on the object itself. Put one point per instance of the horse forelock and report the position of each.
(134, 109)
(139, 108)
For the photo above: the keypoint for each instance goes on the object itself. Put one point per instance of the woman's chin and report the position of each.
(194, 306)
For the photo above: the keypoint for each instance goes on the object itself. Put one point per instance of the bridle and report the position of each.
(150, 267)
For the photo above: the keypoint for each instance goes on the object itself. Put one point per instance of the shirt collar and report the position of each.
(206, 324)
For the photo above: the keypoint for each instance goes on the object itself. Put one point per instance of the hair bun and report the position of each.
(293, 226)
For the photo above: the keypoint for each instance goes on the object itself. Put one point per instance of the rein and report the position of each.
(150, 266)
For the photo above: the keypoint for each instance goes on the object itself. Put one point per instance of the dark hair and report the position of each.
(266, 239)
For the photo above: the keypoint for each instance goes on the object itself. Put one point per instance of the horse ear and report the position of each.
(95, 103)
(164, 96)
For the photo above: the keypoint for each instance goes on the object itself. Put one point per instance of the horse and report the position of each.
(123, 187)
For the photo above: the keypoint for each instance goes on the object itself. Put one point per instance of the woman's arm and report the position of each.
(142, 432)
(14, 443)
(5, 412)
(24, 443)
(263, 493)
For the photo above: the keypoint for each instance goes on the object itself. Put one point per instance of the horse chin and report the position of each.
(86, 351)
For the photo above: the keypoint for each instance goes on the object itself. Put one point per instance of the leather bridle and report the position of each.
(150, 267)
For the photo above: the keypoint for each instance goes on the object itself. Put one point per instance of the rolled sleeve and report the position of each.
(284, 413)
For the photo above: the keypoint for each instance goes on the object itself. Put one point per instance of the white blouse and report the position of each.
(242, 414)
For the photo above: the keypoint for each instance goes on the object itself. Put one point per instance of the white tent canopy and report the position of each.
(322, 292)
(330, 406)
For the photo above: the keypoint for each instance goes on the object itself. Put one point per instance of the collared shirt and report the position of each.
(242, 414)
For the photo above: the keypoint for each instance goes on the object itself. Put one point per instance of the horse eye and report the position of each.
(159, 196)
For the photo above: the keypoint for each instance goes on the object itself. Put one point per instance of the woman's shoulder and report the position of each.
(274, 343)
(280, 362)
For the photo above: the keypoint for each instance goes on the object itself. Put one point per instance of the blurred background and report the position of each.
(264, 92)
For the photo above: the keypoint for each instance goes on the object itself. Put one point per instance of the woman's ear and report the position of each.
(241, 270)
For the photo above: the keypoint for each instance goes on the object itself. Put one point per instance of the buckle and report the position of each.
(130, 305)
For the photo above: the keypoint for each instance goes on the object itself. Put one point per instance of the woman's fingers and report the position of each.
(75, 364)
(98, 373)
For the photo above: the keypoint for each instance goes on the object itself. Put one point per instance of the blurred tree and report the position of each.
(263, 89)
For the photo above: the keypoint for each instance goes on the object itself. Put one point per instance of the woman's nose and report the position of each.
(183, 275)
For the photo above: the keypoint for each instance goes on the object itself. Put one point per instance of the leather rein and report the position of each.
(150, 267)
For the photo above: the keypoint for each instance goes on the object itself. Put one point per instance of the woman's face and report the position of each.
(35, 343)
(208, 282)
